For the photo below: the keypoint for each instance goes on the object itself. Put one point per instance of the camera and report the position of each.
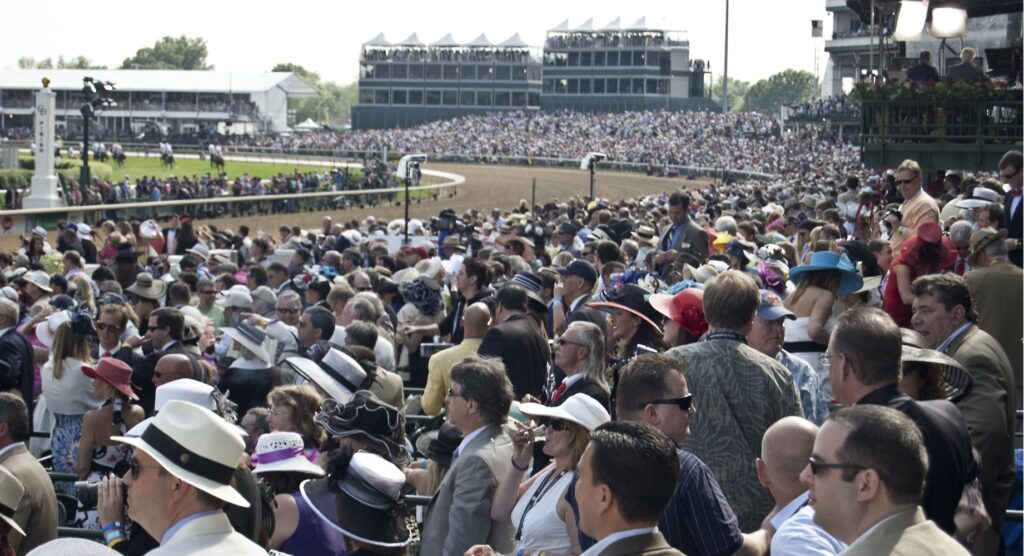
(446, 221)
(87, 493)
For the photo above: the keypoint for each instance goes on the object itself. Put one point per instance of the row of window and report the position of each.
(610, 86)
(614, 58)
(448, 97)
(450, 72)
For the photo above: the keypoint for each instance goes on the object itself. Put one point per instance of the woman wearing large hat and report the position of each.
(366, 423)
(248, 379)
(926, 252)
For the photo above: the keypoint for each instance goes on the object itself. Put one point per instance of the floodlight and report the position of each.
(948, 22)
(911, 19)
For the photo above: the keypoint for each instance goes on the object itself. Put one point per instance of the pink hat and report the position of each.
(114, 372)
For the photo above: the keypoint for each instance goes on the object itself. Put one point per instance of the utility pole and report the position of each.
(725, 70)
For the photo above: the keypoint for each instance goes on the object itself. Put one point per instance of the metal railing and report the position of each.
(963, 122)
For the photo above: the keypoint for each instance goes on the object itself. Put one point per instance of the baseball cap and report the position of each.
(771, 307)
(580, 268)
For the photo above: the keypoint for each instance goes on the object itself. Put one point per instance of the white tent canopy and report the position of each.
(446, 41)
(613, 25)
(379, 40)
(480, 42)
(411, 40)
(586, 27)
(308, 125)
(562, 27)
(514, 42)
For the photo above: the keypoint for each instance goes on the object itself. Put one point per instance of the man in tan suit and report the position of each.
(918, 206)
(37, 512)
(866, 476)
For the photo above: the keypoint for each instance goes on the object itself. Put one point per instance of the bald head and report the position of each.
(172, 367)
(475, 320)
(785, 448)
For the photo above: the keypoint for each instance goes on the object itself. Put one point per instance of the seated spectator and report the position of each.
(291, 410)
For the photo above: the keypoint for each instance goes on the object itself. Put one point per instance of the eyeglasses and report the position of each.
(825, 359)
(103, 327)
(562, 341)
(1011, 176)
(286, 310)
(906, 182)
(135, 468)
(683, 402)
(818, 465)
(453, 394)
(557, 425)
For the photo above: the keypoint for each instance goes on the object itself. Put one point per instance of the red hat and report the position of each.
(686, 308)
(114, 372)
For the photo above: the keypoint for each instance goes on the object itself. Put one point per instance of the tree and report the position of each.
(309, 76)
(737, 90)
(182, 53)
(787, 87)
(334, 103)
(78, 62)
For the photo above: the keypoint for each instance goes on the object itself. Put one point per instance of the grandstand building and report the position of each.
(407, 83)
(169, 101)
(611, 69)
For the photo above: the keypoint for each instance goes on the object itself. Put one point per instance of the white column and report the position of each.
(44, 182)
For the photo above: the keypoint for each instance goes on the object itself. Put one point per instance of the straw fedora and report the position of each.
(283, 452)
(250, 337)
(148, 288)
(11, 491)
(114, 372)
(849, 282)
(337, 373)
(195, 445)
(504, 241)
(581, 409)
(39, 279)
(980, 197)
(980, 240)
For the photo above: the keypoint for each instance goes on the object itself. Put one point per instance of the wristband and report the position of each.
(113, 536)
(112, 525)
(523, 468)
(113, 543)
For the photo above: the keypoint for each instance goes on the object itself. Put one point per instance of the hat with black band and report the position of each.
(195, 445)
(337, 374)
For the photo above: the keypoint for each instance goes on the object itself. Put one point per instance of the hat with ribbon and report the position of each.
(183, 389)
(365, 415)
(980, 197)
(337, 373)
(146, 287)
(283, 452)
(581, 409)
(39, 279)
(251, 338)
(980, 240)
(956, 381)
(632, 299)
(46, 330)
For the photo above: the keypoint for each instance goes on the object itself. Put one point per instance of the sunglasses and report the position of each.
(683, 403)
(562, 341)
(555, 424)
(135, 468)
(286, 311)
(818, 465)
(208, 292)
(102, 326)
(905, 182)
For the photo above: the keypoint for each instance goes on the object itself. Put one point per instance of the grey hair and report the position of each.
(968, 54)
(9, 309)
(290, 295)
(960, 231)
(726, 224)
(591, 336)
(997, 250)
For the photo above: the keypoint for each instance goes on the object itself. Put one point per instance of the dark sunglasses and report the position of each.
(683, 403)
(905, 182)
(208, 292)
(555, 424)
(286, 311)
(135, 468)
(562, 341)
(818, 465)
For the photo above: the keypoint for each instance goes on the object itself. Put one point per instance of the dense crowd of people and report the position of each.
(804, 367)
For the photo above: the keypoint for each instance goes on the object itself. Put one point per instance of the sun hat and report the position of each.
(685, 308)
(9, 293)
(528, 254)
(68, 545)
(39, 279)
(646, 234)
(581, 268)
(980, 197)
(930, 234)
(771, 307)
(115, 373)
(870, 283)
(195, 445)
(405, 275)
(532, 284)
(453, 242)
(423, 293)
(183, 389)
(39, 231)
(127, 254)
(110, 298)
(265, 294)
(980, 240)
(241, 300)
(84, 232)
(429, 267)
(956, 379)
(849, 282)
(200, 251)
(374, 421)
(366, 504)
(250, 337)
(11, 491)
(581, 409)
(148, 288)
(282, 452)
(337, 373)
(149, 229)
(700, 274)
(630, 298)
(440, 444)
(46, 330)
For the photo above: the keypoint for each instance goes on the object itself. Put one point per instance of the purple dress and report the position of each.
(313, 536)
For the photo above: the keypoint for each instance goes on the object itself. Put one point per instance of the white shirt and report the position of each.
(465, 442)
(10, 447)
(542, 528)
(570, 380)
(605, 542)
(952, 337)
(797, 533)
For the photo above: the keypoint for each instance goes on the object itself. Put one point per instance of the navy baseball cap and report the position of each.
(580, 268)
(771, 307)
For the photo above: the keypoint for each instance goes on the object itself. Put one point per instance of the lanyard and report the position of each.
(725, 335)
(544, 487)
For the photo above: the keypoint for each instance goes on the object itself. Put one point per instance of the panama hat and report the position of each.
(528, 254)
(630, 298)
(238, 299)
(114, 372)
(282, 452)
(148, 288)
(11, 491)
(366, 504)
(685, 308)
(250, 337)
(46, 330)
(337, 374)
(183, 389)
(39, 279)
(581, 409)
(980, 240)
(200, 251)
(980, 197)
(149, 229)
(195, 445)
(84, 232)
(826, 260)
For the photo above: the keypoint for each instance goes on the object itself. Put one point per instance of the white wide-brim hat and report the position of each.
(249, 342)
(183, 389)
(581, 409)
(46, 330)
(283, 452)
(337, 374)
(195, 445)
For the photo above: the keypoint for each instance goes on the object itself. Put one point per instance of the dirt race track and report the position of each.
(486, 187)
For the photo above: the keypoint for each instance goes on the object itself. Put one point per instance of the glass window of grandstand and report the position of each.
(584, 86)
(533, 99)
(416, 71)
(586, 60)
(484, 73)
(450, 72)
(176, 102)
(613, 86)
(625, 59)
(599, 58)
(416, 97)
(561, 59)
(502, 98)
(467, 98)
(574, 86)
(549, 86)
(383, 71)
(483, 98)
(533, 73)
(518, 99)
(652, 86)
(638, 57)
(502, 73)
(652, 59)
(399, 97)
(368, 71)
(380, 96)
(624, 87)
(450, 98)
(433, 98)
(599, 86)
(561, 85)
(365, 96)
(467, 72)
(574, 59)
(662, 86)
(399, 71)
(433, 71)
(613, 58)
(518, 73)
(638, 86)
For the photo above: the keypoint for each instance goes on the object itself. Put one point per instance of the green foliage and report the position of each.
(15, 177)
(78, 62)
(334, 104)
(737, 91)
(787, 87)
(939, 93)
(182, 53)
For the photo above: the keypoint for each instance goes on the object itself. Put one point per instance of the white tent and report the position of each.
(308, 125)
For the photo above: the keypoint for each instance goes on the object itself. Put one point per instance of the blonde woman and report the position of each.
(84, 294)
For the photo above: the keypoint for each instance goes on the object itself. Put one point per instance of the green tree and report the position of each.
(334, 104)
(737, 90)
(181, 53)
(78, 62)
(787, 87)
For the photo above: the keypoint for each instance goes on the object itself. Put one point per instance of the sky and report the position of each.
(765, 36)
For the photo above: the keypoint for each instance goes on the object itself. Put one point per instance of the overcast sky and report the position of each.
(766, 36)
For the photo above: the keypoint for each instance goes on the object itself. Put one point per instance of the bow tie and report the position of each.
(1015, 192)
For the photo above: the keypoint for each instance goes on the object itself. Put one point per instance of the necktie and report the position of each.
(959, 269)
(106, 354)
(558, 393)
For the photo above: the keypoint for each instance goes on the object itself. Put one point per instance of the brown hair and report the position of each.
(730, 300)
(304, 402)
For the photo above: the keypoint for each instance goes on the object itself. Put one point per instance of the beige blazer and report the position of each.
(907, 533)
(37, 510)
(210, 535)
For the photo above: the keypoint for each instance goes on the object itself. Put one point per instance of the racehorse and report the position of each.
(167, 159)
(217, 161)
(101, 156)
(120, 158)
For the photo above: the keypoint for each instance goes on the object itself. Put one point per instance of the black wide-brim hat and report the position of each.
(353, 518)
(632, 299)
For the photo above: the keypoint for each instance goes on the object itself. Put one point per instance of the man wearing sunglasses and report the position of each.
(1010, 166)
(918, 206)
(865, 479)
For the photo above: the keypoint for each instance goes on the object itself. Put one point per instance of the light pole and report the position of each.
(725, 68)
(93, 100)
(404, 173)
(589, 162)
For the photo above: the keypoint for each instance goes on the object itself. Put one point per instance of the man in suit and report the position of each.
(580, 354)
(471, 281)
(864, 366)
(109, 328)
(626, 478)
(166, 327)
(966, 70)
(865, 478)
(684, 236)
(458, 516)
(1010, 166)
(171, 233)
(944, 314)
(16, 352)
(578, 280)
(518, 342)
(36, 513)
(994, 284)
(923, 72)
